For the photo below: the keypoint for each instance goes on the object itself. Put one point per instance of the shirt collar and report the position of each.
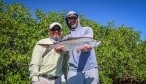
(56, 40)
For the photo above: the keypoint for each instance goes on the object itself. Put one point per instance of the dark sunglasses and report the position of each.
(71, 18)
(54, 29)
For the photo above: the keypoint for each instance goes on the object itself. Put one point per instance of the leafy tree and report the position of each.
(121, 57)
(16, 39)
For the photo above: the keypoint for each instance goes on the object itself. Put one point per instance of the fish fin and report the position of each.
(46, 52)
(98, 43)
(78, 50)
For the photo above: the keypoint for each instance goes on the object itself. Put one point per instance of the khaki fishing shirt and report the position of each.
(50, 64)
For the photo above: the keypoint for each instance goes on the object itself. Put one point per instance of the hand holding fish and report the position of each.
(59, 49)
(86, 47)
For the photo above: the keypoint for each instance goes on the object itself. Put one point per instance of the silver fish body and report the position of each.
(73, 43)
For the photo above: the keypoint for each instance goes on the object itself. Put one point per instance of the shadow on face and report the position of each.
(55, 32)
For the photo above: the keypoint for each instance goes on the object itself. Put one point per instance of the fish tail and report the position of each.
(95, 43)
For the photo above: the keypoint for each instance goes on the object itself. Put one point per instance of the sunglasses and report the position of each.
(71, 18)
(54, 29)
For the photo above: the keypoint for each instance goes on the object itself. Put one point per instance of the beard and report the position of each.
(73, 26)
(72, 23)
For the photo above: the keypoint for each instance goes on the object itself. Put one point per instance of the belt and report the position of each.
(50, 77)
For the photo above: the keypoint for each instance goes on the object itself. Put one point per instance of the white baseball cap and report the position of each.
(53, 24)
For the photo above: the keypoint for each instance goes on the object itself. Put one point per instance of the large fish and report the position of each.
(73, 43)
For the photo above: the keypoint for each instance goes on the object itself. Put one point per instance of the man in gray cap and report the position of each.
(83, 66)
(46, 68)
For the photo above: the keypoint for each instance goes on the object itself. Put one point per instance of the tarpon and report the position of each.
(73, 43)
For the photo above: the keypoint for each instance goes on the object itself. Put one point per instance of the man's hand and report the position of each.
(86, 47)
(59, 49)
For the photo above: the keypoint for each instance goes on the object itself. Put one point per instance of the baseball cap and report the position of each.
(71, 14)
(56, 25)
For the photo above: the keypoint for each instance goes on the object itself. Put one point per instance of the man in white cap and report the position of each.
(46, 65)
(83, 66)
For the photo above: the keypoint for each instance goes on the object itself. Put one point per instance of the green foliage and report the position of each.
(122, 55)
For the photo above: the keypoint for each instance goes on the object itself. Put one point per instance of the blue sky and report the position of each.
(131, 13)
